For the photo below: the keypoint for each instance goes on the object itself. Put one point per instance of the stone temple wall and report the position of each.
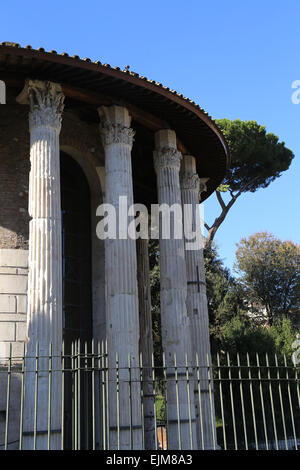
(13, 297)
(14, 171)
(14, 225)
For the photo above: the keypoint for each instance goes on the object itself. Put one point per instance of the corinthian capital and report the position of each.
(115, 125)
(46, 102)
(190, 181)
(116, 134)
(167, 157)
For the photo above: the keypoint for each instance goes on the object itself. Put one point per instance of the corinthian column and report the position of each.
(197, 303)
(121, 288)
(174, 319)
(42, 419)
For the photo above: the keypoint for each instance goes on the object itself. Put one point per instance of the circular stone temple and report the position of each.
(75, 134)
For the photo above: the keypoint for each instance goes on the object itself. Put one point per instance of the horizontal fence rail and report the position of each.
(74, 400)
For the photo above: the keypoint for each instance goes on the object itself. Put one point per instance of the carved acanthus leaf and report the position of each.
(116, 134)
(167, 157)
(190, 181)
(46, 102)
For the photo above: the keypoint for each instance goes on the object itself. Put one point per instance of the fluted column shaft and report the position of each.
(174, 320)
(197, 306)
(121, 286)
(44, 315)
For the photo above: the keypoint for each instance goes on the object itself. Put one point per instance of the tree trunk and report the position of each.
(218, 221)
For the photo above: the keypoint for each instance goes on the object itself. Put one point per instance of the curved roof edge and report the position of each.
(134, 80)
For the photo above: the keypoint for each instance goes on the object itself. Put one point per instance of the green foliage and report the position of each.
(228, 299)
(160, 408)
(217, 281)
(155, 300)
(283, 334)
(223, 188)
(270, 272)
(242, 335)
(225, 296)
(231, 327)
(257, 157)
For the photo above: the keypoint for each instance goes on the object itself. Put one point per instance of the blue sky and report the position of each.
(235, 59)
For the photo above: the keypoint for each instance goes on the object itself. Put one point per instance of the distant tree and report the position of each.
(270, 272)
(283, 335)
(225, 296)
(231, 328)
(257, 159)
(242, 335)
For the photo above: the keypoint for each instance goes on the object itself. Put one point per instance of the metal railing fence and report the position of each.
(243, 402)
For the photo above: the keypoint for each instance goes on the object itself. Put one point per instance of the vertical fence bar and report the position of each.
(118, 399)
(142, 400)
(290, 401)
(166, 399)
(74, 385)
(49, 393)
(36, 394)
(22, 398)
(101, 398)
(252, 401)
(232, 403)
(8, 397)
(200, 400)
(86, 396)
(272, 401)
(154, 402)
(297, 384)
(210, 386)
(177, 401)
(189, 400)
(262, 401)
(242, 400)
(75, 396)
(79, 393)
(221, 401)
(102, 360)
(281, 402)
(107, 396)
(62, 395)
(130, 404)
(93, 397)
